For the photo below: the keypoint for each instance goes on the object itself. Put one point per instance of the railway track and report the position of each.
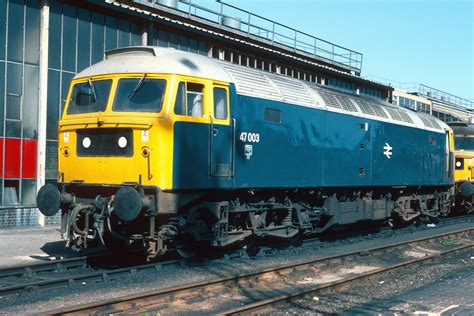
(87, 269)
(247, 293)
(67, 272)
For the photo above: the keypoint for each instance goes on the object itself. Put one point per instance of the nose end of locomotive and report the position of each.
(48, 200)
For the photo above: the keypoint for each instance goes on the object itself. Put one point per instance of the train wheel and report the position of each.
(252, 248)
(187, 247)
(192, 241)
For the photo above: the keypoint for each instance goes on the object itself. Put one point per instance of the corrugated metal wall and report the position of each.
(79, 34)
(19, 66)
(78, 37)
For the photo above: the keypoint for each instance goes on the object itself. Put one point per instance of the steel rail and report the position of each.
(122, 304)
(46, 266)
(33, 271)
(284, 298)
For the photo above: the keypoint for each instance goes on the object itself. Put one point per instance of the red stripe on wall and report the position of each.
(28, 159)
(12, 158)
(1, 157)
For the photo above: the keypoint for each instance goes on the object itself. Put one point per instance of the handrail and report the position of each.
(275, 32)
(445, 96)
(426, 91)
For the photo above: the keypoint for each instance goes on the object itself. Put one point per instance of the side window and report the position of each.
(189, 99)
(272, 116)
(220, 103)
(180, 104)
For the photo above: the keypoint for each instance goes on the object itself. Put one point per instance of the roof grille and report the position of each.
(435, 124)
(425, 121)
(346, 103)
(405, 116)
(330, 100)
(251, 82)
(337, 101)
(292, 90)
(379, 110)
(395, 114)
(371, 108)
(429, 121)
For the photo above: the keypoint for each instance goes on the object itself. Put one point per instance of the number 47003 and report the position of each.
(250, 137)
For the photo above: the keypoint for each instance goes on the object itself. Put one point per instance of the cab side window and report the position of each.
(220, 103)
(189, 99)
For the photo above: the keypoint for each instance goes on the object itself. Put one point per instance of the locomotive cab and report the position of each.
(464, 165)
(116, 145)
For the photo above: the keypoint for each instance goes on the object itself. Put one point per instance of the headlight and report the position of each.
(145, 152)
(86, 142)
(122, 142)
(66, 152)
(459, 164)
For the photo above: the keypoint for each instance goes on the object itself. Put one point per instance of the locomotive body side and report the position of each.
(173, 150)
(309, 148)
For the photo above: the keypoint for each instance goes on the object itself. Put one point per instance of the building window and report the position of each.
(422, 107)
(405, 102)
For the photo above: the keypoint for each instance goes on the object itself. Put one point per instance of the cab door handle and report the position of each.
(215, 131)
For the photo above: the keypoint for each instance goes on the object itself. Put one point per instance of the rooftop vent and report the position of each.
(169, 3)
(130, 51)
(231, 21)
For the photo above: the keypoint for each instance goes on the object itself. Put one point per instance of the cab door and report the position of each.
(220, 138)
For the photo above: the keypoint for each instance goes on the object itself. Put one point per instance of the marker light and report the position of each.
(458, 164)
(122, 142)
(86, 142)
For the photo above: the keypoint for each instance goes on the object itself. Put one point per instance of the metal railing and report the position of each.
(426, 91)
(261, 28)
(445, 97)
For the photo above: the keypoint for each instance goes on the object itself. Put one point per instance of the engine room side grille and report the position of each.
(434, 123)
(429, 121)
(365, 107)
(394, 114)
(346, 103)
(292, 90)
(330, 100)
(371, 108)
(252, 82)
(378, 110)
(425, 121)
(405, 116)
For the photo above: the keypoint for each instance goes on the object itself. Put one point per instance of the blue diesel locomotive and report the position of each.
(176, 150)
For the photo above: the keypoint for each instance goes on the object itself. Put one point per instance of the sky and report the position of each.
(429, 42)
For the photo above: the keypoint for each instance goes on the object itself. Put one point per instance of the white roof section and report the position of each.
(257, 83)
(156, 60)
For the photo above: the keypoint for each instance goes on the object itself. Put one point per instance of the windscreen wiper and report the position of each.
(137, 87)
(91, 85)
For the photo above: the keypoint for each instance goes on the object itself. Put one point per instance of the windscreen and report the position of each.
(139, 95)
(462, 142)
(90, 96)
